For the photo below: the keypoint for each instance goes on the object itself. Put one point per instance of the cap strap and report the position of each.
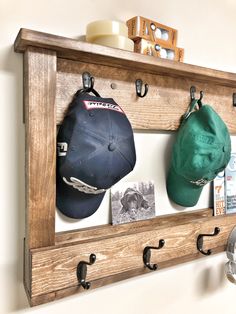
(82, 186)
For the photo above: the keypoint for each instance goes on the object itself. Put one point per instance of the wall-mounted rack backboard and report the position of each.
(52, 74)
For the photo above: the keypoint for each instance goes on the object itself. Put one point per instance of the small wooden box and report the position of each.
(140, 27)
(158, 50)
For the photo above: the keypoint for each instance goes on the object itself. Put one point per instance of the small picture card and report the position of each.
(219, 194)
(132, 201)
(230, 185)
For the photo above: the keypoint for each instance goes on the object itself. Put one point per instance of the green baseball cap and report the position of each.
(201, 150)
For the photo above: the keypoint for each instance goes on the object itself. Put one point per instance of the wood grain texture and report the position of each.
(161, 109)
(105, 231)
(55, 268)
(91, 53)
(52, 74)
(59, 294)
(40, 124)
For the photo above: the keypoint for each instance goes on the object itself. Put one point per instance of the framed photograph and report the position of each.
(132, 201)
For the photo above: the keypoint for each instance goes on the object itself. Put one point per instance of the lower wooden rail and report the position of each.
(52, 270)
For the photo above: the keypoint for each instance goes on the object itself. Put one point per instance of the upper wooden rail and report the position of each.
(86, 52)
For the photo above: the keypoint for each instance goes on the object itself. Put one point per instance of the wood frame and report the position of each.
(52, 72)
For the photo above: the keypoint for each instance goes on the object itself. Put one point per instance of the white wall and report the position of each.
(207, 32)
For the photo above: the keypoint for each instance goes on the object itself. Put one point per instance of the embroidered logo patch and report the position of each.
(200, 182)
(101, 105)
(62, 148)
(82, 186)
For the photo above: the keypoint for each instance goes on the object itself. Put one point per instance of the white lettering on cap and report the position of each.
(62, 148)
(82, 186)
(200, 182)
(101, 105)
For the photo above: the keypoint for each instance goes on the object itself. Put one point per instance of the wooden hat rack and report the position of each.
(58, 264)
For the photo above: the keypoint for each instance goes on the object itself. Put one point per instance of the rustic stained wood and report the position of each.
(169, 81)
(107, 231)
(40, 119)
(90, 53)
(52, 73)
(54, 268)
(56, 295)
(167, 99)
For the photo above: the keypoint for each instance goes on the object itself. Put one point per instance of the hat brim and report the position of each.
(75, 204)
(181, 191)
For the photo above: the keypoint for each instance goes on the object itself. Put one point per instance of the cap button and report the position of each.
(111, 147)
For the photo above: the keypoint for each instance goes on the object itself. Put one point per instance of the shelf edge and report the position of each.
(87, 52)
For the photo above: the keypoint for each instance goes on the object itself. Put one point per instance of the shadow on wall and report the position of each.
(11, 65)
(167, 162)
(210, 280)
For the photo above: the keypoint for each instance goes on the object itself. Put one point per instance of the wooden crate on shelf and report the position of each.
(159, 50)
(140, 27)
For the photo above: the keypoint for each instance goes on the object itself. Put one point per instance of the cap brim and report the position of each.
(181, 191)
(75, 204)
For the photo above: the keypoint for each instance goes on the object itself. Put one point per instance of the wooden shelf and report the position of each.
(99, 232)
(52, 74)
(90, 53)
(169, 81)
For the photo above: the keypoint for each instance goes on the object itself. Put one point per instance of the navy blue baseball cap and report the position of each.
(95, 149)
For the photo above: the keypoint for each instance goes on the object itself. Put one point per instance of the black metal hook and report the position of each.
(88, 81)
(200, 99)
(147, 254)
(88, 84)
(200, 241)
(82, 271)
(139, 85)
(192, 92)
(192, 95)
(234, 99)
